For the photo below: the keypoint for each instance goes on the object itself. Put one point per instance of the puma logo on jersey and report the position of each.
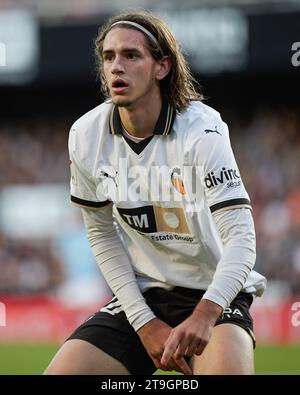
(213, 180)
(212, 131)
(106, 175)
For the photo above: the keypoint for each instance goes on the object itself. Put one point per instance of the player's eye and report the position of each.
(131, 55)
(108, 57)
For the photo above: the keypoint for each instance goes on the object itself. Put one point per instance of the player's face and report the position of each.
(132, 74)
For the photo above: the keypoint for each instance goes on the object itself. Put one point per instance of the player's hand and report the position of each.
(193, 334)
(153, 336)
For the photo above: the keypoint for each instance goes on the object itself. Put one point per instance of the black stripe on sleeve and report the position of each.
(88, 203)
(229, 203)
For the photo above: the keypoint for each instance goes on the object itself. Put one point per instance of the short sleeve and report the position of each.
(83, 188)
(221, 179)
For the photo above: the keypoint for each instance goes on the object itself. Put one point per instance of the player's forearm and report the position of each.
(116, 267)
(238, 236)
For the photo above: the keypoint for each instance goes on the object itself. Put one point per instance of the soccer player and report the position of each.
(167, 217)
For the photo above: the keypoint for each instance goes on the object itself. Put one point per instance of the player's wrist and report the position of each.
(148, 327)
(209, 310)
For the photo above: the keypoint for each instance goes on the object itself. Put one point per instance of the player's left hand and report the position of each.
(153, 336)
(192, 335)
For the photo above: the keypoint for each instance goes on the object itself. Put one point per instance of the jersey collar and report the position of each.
(163, 126)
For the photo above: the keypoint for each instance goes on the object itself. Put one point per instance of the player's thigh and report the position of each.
(78, 357)
(229, 351)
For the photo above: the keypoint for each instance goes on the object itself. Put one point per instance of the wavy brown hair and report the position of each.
(179, 86)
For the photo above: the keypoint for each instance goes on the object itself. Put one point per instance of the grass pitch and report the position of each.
(27, 359)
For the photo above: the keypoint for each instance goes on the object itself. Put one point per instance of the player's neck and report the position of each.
(141, 120)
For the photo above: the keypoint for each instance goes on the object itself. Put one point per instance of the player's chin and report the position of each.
(121, 101)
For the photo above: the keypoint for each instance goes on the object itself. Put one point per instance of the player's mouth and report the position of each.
(119, 86)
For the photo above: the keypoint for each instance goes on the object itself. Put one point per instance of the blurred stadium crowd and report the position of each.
(268, 154)
(267, 149)
(28, 266)
(33, 151)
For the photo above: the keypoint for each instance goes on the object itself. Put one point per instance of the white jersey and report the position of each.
(164, 190)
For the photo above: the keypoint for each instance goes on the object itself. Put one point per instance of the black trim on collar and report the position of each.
(138, 147)
(163, 125)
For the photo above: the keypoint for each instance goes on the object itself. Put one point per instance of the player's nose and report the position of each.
(117, 65)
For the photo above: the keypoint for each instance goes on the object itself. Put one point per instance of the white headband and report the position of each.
(143, 29)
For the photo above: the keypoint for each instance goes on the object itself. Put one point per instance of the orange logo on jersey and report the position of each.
(177, 181)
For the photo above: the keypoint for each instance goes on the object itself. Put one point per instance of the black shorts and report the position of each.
(112, 333)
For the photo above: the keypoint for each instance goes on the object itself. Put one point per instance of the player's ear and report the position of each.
(163, 67)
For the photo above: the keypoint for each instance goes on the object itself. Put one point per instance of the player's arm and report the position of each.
(236, 229)
(102, 235)
(115, 265)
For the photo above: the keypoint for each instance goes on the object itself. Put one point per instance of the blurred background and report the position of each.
(246, 56)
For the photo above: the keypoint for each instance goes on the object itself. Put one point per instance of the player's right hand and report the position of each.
(153, 336)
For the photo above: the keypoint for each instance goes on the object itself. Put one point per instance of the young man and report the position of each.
(167, 217)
